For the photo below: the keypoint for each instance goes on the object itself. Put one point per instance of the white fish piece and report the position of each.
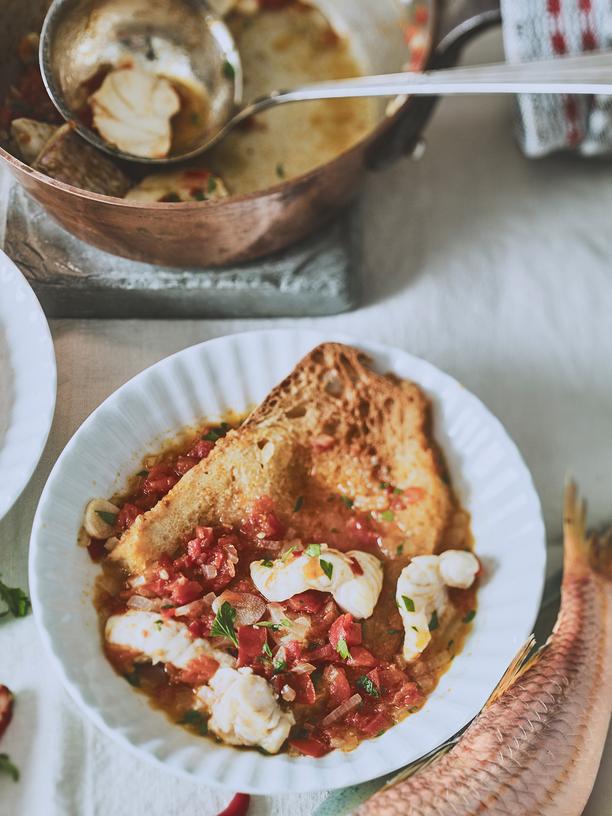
(421, 591)
(160, 640)
(244, 710)
(132, 110)
(354, 578)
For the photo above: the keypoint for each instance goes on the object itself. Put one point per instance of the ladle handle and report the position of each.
(587, 74)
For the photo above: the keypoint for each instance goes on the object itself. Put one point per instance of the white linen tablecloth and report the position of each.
(496, 269)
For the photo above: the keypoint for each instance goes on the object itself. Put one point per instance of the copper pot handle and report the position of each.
(458, 21)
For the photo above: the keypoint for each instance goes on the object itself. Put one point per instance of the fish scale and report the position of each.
(536, 747)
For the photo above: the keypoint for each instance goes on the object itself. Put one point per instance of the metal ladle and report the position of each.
(187, 38)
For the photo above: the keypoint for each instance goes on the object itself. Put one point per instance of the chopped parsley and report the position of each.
(408, 603)
(288, 552)
(279, 666)
(267, 650)
(387, 515)
(213, 434)
(267, 563)
(195, 118)
(286, 623)
(394, 631)
(212, 184)
(469, 616)
(368, 685)
(199, 194)
(298, 504)
(143, 474)
(414, 628)
(280, 170)
(348, 502)
(196, 720)
(327, 567)
(229, 71)
(397, 491)
(109, 518)
(384, 485)
(400, 549)
(223, 624)
(7, 767)
(343, 649)
(267, 625)
(313, 550)
(450, 644)
(16, 600)
(158, 624)
(433, 621)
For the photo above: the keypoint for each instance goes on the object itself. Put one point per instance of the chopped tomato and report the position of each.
(183, 464)
(238, 806)
(413, 494)
(97, 549)
(337, 683)
(371, 724)
(183, 591)
(345, 628)
(6, 708)
(160, 479)
(201, 627)
(323, 442)
(359, 529)
(310, 746)
(374, 676)
(361, 658)
(251, 641)
(408, 696)
(304, 688)
(127, 516)
(201, 449)
(390, 677)
(198, 671)
(310, 601)
(293, 652)
(326, 653)
(262, 522)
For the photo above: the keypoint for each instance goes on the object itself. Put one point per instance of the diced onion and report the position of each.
(249, 608)
(209, 571)
(193, 608)
(288, 694)
(164, 574)
(303, 668)
(343, 709)
(232, 553)
(143, 604)
(139, 580)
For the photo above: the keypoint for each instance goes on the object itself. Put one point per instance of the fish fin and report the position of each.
(576, 547)
(527, 656)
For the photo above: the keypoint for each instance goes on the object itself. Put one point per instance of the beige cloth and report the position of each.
(495, 269)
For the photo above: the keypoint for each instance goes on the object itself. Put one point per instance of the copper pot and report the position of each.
(241, 228)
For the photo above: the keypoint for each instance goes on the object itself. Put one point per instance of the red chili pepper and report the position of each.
(239, 805)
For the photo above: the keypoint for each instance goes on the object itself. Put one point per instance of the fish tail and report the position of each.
(581, 552)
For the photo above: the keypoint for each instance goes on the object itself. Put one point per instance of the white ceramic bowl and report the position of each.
(237, 372)
(27, 382)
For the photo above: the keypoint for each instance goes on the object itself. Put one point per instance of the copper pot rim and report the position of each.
(269, 192)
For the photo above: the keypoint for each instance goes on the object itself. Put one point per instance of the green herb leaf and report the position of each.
(280, 170)
(267, 563)
(267, 650)
(158, 624)
(288, 552)
(384, 485)
(170, 198)
(368, 686)
(348, 502)
(298, 504)
(394, 631)
(195, 118)
(397, 491)
(196, 720)
(400, 549)
(469, 616)
(143, 474)
(279, 666)
(7, 767)
(267, 625)
(313, 550)
(16, 600)
(212, 184)
(343, 649)
(228, 70)
(450, 644)
(414, 628)
(223, 624)
(433, 621)
(109, 518)
(286, 623)
(199, 194)
(408, 603)
(327, 567)
(387, 515)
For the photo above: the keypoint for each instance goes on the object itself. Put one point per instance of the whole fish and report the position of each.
(536, 747)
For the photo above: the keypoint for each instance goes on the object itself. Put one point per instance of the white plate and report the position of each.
(237, 372)
(27, 383)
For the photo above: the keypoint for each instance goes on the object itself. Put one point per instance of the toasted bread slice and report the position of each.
(333, 427)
